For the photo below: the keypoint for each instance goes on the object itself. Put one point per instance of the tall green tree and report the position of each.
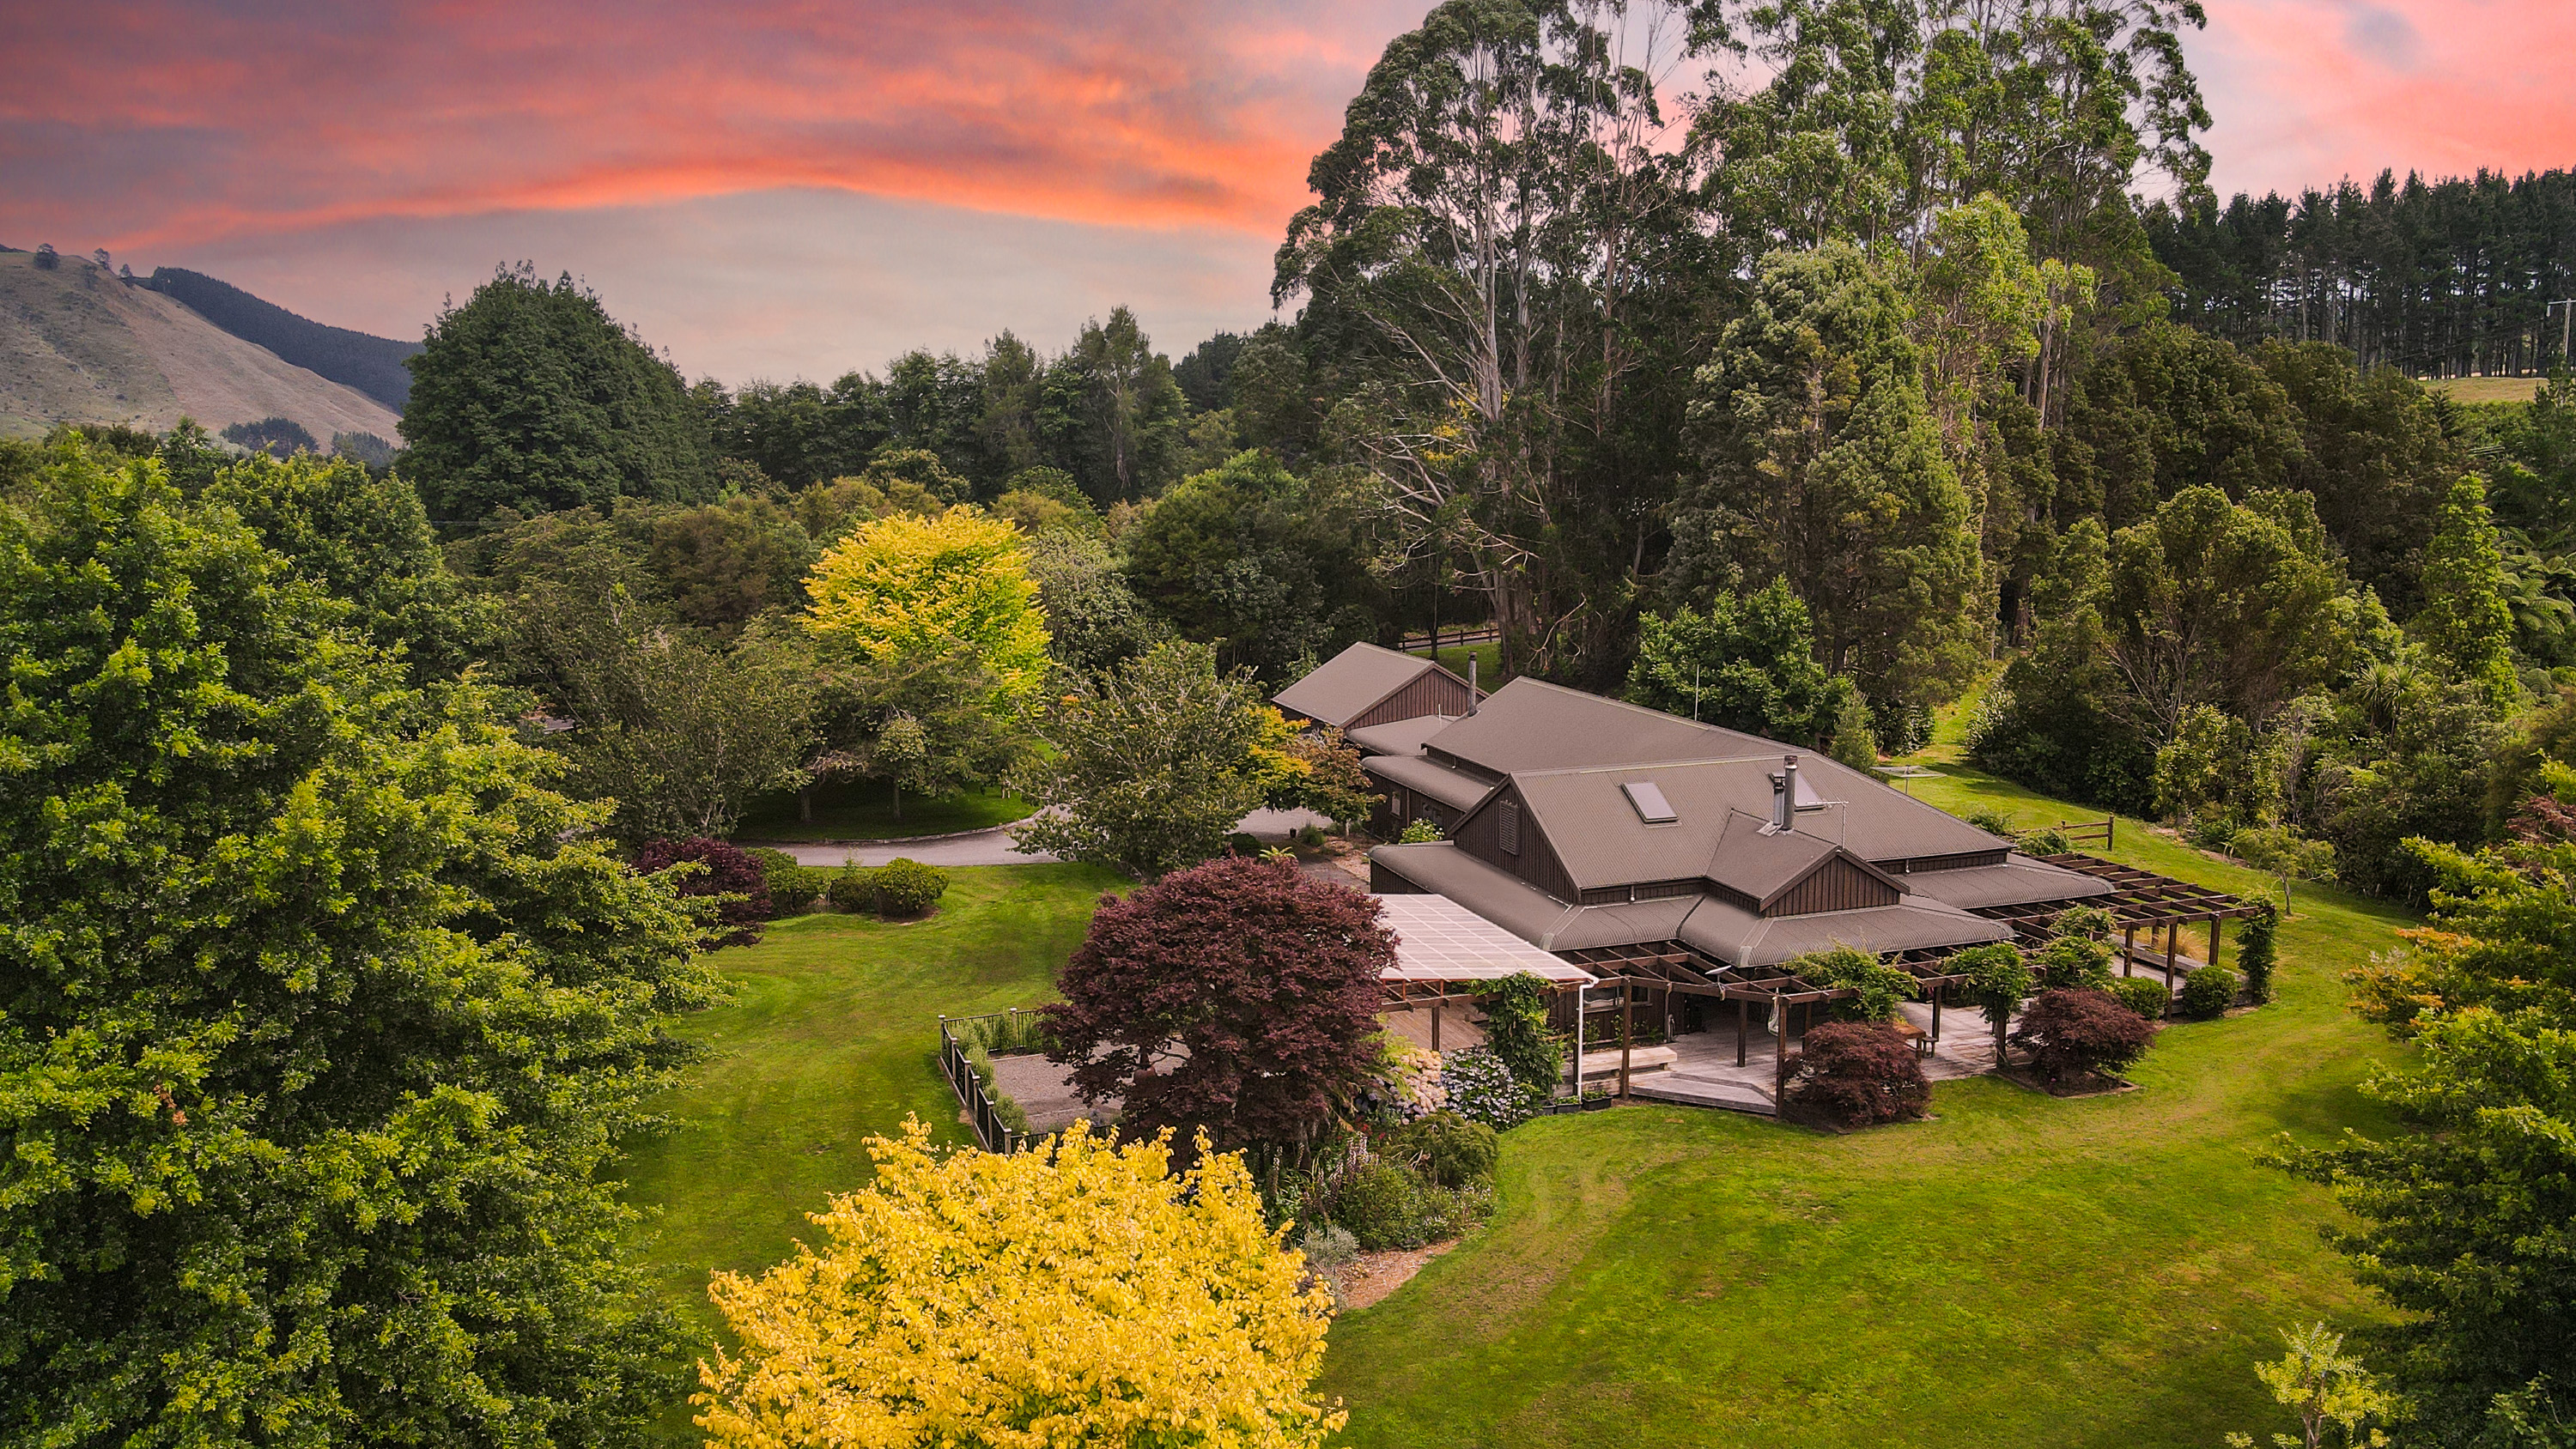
(1121, 412)
(1267, 566)
(1823, 465)
(2470, 1228)
(321, 1016)
(363, 538)
(676, 731)
(2465, 621)
(531, 397)
(1505, 271)
(1747, 663)
(1150, 765)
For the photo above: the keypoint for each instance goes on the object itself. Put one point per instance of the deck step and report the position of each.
(1702, 1092)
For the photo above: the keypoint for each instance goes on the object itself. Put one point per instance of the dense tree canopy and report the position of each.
(323, 1015)
(530, 396)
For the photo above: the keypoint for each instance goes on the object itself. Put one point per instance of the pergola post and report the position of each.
(2129, 950)
(1936, 1018)
(1780, 1058)
(1435, 1028)
(2214, 922)
(1627, 1030)
(2173, 943)
(1743, 1011)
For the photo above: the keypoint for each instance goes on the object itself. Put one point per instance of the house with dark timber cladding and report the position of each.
(1591, 828)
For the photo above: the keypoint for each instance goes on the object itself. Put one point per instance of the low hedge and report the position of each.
(898, 890)
(2142, 994)
(2209, 992)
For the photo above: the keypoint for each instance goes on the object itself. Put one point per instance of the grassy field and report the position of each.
(865, 811)
(2019, 1270)
(831, 1038)
(2486, 389)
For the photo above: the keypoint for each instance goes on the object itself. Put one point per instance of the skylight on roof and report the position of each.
(1649, 802)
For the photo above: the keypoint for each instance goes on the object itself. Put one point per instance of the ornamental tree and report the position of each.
(903, 588)
(1238, 998)
(727, 875)
(1106, 1300)
(2075, 1032)
(1999, 981)
(1149, 767)
(1858, 1073)
(320, 1017)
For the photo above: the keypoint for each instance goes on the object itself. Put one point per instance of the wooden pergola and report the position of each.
(2143, 901)
(1670, 970)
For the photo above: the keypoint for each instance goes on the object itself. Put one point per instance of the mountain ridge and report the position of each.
(79, 344)
(371, 364)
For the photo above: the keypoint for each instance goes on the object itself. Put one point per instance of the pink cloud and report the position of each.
(2306, 92)
(174, 120)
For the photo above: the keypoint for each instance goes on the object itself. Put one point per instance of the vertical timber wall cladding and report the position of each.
(1834, 885)
(1481, 835)
(1435, 692)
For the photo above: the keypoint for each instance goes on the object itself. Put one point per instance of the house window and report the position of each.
(1511, 828)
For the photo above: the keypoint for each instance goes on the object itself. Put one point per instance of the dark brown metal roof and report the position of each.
(1347, 685)
(1530, 724)
(1401, 737)
(1718, 930)
(2019, 881)
(1453, 788)
(1570, 753)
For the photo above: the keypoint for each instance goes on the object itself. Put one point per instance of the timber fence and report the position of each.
(982, 1111)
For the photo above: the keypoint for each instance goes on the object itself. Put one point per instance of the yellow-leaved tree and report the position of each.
(1080, 1294)
(956, 587)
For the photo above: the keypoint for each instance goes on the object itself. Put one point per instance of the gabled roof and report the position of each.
(1353, 682)
(1715, 928)
(1530, 724)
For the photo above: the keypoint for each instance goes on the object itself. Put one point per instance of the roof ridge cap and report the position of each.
(1642, 765)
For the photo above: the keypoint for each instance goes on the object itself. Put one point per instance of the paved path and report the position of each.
(993, 847)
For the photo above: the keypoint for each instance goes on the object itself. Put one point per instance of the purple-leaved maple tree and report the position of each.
(1240, 996)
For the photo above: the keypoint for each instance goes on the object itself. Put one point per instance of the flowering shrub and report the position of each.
(1481, 1089)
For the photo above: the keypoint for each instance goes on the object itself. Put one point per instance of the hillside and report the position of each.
(77, 344)
(371, 364)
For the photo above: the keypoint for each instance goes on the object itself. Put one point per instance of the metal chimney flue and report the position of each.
(1471, 682)
(1784, 798)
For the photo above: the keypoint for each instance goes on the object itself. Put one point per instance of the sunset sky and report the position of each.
(777, 189)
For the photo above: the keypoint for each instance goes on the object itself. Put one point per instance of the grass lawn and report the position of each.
(2486, 389)
(2018, 1271)
(1489, 663)
(864, 810)
(832, 1037)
